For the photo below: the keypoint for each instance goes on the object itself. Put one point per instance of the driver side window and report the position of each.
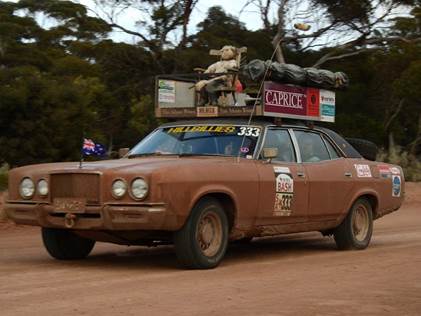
(280, 139)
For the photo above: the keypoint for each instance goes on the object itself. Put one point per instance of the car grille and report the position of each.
(79, 185)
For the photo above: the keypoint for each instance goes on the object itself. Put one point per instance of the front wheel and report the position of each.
(65, 245)
(203, 240)
(356, 229)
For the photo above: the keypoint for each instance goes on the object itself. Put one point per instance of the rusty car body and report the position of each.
(222, 179)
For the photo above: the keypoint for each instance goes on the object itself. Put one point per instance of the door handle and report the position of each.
(301, 174)
(348, 174)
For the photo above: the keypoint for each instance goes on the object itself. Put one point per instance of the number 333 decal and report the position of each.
(249, 131)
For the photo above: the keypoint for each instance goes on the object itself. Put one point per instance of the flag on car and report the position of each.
(90, 148)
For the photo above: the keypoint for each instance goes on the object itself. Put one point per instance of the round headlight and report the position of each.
(139, 188)
(42, 187)
(119, 188)
(26, 188)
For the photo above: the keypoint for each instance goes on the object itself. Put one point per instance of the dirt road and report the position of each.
(298, 274)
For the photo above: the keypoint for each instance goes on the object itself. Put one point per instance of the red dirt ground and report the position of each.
(300, 274)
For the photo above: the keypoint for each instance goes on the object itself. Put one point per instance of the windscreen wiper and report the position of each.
(197, 154)
(151, 154)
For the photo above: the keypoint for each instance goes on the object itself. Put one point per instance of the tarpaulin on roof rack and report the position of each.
(289, 73)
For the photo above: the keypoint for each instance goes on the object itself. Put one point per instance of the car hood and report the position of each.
(143, 165)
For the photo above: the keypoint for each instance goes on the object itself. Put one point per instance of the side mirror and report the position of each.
(123, 152)
(270, 153)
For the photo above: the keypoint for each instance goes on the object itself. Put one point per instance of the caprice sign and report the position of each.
(291, 101)
(284, 99)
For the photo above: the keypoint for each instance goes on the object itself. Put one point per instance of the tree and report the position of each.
(48, 96)
(158, 19)
(342, 28)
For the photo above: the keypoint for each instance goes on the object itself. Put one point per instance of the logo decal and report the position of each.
(396, 186)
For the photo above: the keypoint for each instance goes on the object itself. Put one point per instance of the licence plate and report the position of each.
(69, 205)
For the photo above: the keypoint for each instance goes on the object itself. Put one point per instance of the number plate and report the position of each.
(73, 205)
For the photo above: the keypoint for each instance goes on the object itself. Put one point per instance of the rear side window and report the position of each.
(280, 139)
(312, 146)
(332, 151)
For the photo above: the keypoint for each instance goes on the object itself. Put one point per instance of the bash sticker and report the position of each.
(363, 171)
(396, 186)
(284, 191)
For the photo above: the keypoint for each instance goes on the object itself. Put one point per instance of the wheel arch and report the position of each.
(372, 198)
(227, 201)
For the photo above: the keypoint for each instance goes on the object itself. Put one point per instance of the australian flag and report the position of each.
(90, 148)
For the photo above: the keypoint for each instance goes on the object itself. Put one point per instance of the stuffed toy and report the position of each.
(210, 90)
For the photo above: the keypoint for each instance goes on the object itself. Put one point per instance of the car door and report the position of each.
(327, 174)
(282, 185)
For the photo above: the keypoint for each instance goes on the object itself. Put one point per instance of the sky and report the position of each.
(247, 16)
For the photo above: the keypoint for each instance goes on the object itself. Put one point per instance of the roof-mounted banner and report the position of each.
(290, 101)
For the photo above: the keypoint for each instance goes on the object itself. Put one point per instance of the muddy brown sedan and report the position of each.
(200, 184)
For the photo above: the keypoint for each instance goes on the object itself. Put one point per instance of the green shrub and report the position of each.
(410, 164)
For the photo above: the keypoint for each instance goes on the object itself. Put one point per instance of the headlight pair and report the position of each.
(27, 188)
(138, 188)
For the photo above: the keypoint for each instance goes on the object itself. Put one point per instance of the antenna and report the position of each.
(257, 98)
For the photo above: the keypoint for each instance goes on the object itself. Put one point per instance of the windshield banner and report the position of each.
(235, 130)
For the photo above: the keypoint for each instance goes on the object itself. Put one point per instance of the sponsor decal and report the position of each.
(284, 191)
(166, 91)
(363, 171)
(384, 171)
(313, 102)
(396, 186)
(298, 102)
(285, 99)
(395, 170)
(327, 106)
(207, 111)
(278, 169)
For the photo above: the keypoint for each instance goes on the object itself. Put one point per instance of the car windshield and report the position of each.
(208, 140)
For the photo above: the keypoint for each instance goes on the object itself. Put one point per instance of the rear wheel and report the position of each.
(65, 245)
(356, 229)
(203, 240)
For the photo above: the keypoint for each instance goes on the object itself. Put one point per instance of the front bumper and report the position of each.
(150, 216)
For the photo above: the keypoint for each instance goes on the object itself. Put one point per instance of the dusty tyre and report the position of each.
(356, 229)
(203, 240)
(65, 245)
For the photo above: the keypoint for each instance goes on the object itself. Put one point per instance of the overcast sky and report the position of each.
(250, 18)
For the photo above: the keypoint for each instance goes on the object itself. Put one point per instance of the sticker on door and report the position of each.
(284, 191)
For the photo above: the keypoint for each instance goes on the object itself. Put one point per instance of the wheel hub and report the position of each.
(209, 234)
(360, 223)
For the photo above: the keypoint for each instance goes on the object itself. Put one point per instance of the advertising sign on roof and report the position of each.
(298, 102)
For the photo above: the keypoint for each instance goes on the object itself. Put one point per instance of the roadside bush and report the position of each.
(410, 164)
